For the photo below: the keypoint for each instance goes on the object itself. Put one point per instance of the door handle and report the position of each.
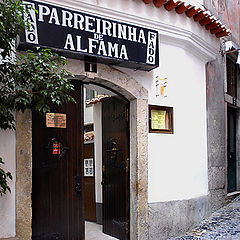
(78, 188)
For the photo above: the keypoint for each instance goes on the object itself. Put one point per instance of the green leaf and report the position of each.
(4, 176)
(35, 79)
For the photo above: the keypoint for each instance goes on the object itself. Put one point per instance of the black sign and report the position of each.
(76, 34)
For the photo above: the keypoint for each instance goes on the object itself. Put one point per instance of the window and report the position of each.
(90, 94)
(232, 72)
(160, 119)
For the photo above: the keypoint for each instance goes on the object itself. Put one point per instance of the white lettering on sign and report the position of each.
(96, 46)
(141, 37)
(90, 24)
(78, 21)
(67, 19)
(107, 26)
(31, 32)
(85, 34)
(54, 16)
(132, 34)
(151, 47)
(112, 49)
(79, 40)
(43, 11)
(98, 36)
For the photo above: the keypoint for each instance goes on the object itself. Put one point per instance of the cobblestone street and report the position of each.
(223, 224)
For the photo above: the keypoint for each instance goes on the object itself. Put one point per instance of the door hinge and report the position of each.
(127, 227)
(127, 164)
(127, 115)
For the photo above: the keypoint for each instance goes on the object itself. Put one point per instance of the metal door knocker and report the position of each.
(78, 185)
(113, 151)
(56, 148)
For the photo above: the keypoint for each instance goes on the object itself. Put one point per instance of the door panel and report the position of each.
(89, 186)
(115, 131)
(232, 161)
(57, 181)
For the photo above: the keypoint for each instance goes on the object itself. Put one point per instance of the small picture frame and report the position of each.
(160, 119)
(88, 167)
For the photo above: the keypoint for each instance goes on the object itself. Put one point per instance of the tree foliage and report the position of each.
(11, 24)
(3, 180)
(34, 80)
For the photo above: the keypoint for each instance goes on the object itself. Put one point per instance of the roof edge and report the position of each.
(190, 41)
(199, 14)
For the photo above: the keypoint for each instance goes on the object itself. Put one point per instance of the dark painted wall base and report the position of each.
(99, 213)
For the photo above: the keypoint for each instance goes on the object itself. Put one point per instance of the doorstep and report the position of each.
(13, 238)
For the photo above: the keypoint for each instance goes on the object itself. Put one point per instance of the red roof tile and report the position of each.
(203, 17)
(96, 99)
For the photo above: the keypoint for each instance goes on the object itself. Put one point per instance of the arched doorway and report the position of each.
(64, 171)
(106, 163)
(137, 96)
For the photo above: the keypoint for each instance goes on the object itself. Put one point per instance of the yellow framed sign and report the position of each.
(160, 119)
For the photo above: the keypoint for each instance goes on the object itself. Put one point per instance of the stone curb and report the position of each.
(13, 238)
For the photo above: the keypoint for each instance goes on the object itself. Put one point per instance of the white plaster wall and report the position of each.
(193, 2)
(7, 202)
(178, 162)
(88, 115)
(97, 118)
(88, 111)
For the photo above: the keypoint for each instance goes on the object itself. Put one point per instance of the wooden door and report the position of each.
(57, 173)
(232, 156)
(89, 183)
(115, 133)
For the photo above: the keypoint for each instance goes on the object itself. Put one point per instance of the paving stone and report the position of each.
(223, 224)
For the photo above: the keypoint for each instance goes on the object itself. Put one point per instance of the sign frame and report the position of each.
(156, 123)
(56, 120)
(77, 34)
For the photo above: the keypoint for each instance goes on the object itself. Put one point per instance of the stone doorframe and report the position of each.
(138, 96)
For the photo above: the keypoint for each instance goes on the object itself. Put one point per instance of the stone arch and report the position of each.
(127, 86)
(111, 77)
